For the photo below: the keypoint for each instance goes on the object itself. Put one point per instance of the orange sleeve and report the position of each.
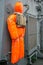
(21, 31)
(12, 27)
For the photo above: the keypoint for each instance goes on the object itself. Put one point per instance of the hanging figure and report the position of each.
(17, 34)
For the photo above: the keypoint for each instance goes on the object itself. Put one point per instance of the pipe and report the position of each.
(40, 55)
(27, 6)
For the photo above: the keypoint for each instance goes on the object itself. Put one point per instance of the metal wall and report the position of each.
(31, 35)
(1, 24)
(5, 41)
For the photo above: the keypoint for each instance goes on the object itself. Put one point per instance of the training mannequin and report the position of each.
(16, 34)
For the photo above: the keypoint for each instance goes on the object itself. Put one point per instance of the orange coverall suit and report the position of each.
(17, 35)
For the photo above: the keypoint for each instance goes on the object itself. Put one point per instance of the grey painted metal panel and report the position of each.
(12, 2)
(31, 34)
(4, 35)
(1, 23)
(6, 41)
(26, 40)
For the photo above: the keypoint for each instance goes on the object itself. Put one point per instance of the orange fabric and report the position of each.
(17, 35)
(15, 51)
(18, 7)
(21, 41)
(21, 31)
(12, 26)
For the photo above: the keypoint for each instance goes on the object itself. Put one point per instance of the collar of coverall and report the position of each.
(18, 13)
